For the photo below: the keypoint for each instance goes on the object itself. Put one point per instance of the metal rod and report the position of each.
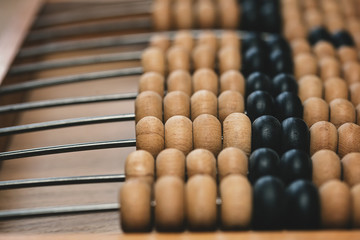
(66, 148)
(46, 82)
(65, 123)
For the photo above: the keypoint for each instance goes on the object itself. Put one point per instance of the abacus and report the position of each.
(234, 130)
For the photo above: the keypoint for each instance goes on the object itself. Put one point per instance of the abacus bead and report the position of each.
(153, 60)
(140, 164)
(341, 111)
(288, 105)
(351, 168)
(319, 34)
(206, 13)
(299, 46)
(323, 135)
(329, 67)
(203, 102)
(305, 64)
(259, 103)
(342, 38)
(295, 164)
(315, 110)
(349, 139)
(183, 16)
(313, 17)
(208, 38)
(284, 83)
(170, 203)
(203, 57)
(258, 81)
(150, 135)
(236, 202)
(200, 202)
(161, 14)
(184, 38)
(335, 88)
(310, 86)
(266, 132)
(180, 80)
(170, 162)
(335, 198)
(262, 162)
(237, 132)
(355, 93)
(179, 134)
(161, 41)
(178, 58)
(135, 198)
(205, 79)
(176, 103)
(148, 103)
(200, 161)
(295, 135)
(351, 72)
(280, 62)
(229, 59)
(294, 29)
(324, 49)
(232, 80)
(229, 14)
(230, 102)
(355, 197)
(326, 166)
(229, 38)
(347, 54)
(152, 81)
(232, 160)
(254, 60)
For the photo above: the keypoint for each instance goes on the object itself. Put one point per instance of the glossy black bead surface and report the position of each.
(295, 135)
(266, 132)
(288, 105)
(284, 83)
(319, 34)
(342, 38)
(295, 164)
(278, 42)
(250, 15)
(258, 81)
(259, 103)
(269, 16)
(280, 62)
(263, 162)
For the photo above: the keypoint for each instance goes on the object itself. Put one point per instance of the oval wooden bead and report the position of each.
(349, 139)
(335, 88)
(351, 72)
(229, 59)
(178, 58)
(230, 102)
(150, 135)
(179, 134)
(313, 18)
(183, 14)
(355, 93)
(176, 103)
(170, 203)
(347, 54)
(135, 199)
(161, 14)
(203, 56)
(184, 38)
(335, 198)
(351, 168)
(153, 60)
(140, 164)
(355, 206)
(326, 166)
(305, 64)
(161, 41)
(152, 81)
(148, 103)
(294, 29)
(323, 49)
(329, 68)
(323, 135)
(180, 80)
(202, 102)
(341, 111)
(229, 14)
(205, 79)
(232, 80)
(237, 132)
(200, 202)
(300, 45)
(236, 202)
(207, 133)
(170, 162)
(200, 161)
(232, 160)
(315, 110)
(310, 86)
(295, 135)
(205, 13)
(228, 37)
(208, 38)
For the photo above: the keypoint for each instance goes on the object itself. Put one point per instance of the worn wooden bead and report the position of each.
(150, 135)
(288, 104)
(184, 38)
(206, 13)
(310, 86)
(170, 162)
(229, 14)
(324, 49)
(351, 72)
(355, 206)
(205, 79)
(232, 80)
(180, 80)
(176, 103)
(232, 160)
(300, 45)
(294, 29)
(347, 54)
(200, 202)
(258, 81)
(202, 102)
(259, 103)
(230, 102)
(326, 166)
(161, 14)
(140, 164)
(355, 93)
(323, 135)
(153, 60)
(229, 38)
(178, 58)
(148, 103)
(349, 139)
(329, 68)
(179, 134)
(203, 56)
(161, 41)
(208, 38)
(236, 202)
(295, 164)
(315, 110)
(341, 111)
(183, 14)
(135, 199)
(305, 64)
(152, 81)
(237, 132)
(207, 133)
(335, 88)
(313, 18)
(263, 162)
(284, 83)
(351, 168)
(295, 135)
(229, 59)
(200, 161)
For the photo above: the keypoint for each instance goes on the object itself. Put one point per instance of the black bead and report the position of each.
(284, 83)
(280, 62)
(342, 38)
(302, 205)
(262, 162)
(319, 34)
(258, 81)
(295, 135)
(288, 105)
(266, 132)
(269, 17)
(278, 42)
(254, 60)
(259, 103)
(269, 203)
(252, 39)
(250, 15)
(295, 164)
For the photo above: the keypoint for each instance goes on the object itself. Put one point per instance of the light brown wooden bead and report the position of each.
(229, 59)
(200, 202)
(349, 139)
(170, 203)
(334, 22)
(203, 56)
(205, 13)
(351, 168)
(294, 29)
(335, 88)
(170, 162)
(153, 60)
(185, 39)
(324, 49)
(310, 4)
(183, 14)
(232, 80)
(300, 45)
(355, 206)
(230, 102)
(355, 93)
(178, 58)
(179, 134)
(335, 199)
(135, 212)
(161, 14)
(310, 86)
(236, 202)
(152, 81)
(329, 67)
(148, 103)
(313, 18)
(351, 72)
(347, 54)
(176, 103)
(207, 133)
(180, 80)
(237, 132)
(140, 164)
(305, 64)
(200, 161)
(150, 135)
(161, 41)
(202, 102)
(232, 160)
(315, 110)
(208, 38)
(229, 14)
(326, 166)
(229, 38)
(341, 111)
(205, 79)
(323, 135)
